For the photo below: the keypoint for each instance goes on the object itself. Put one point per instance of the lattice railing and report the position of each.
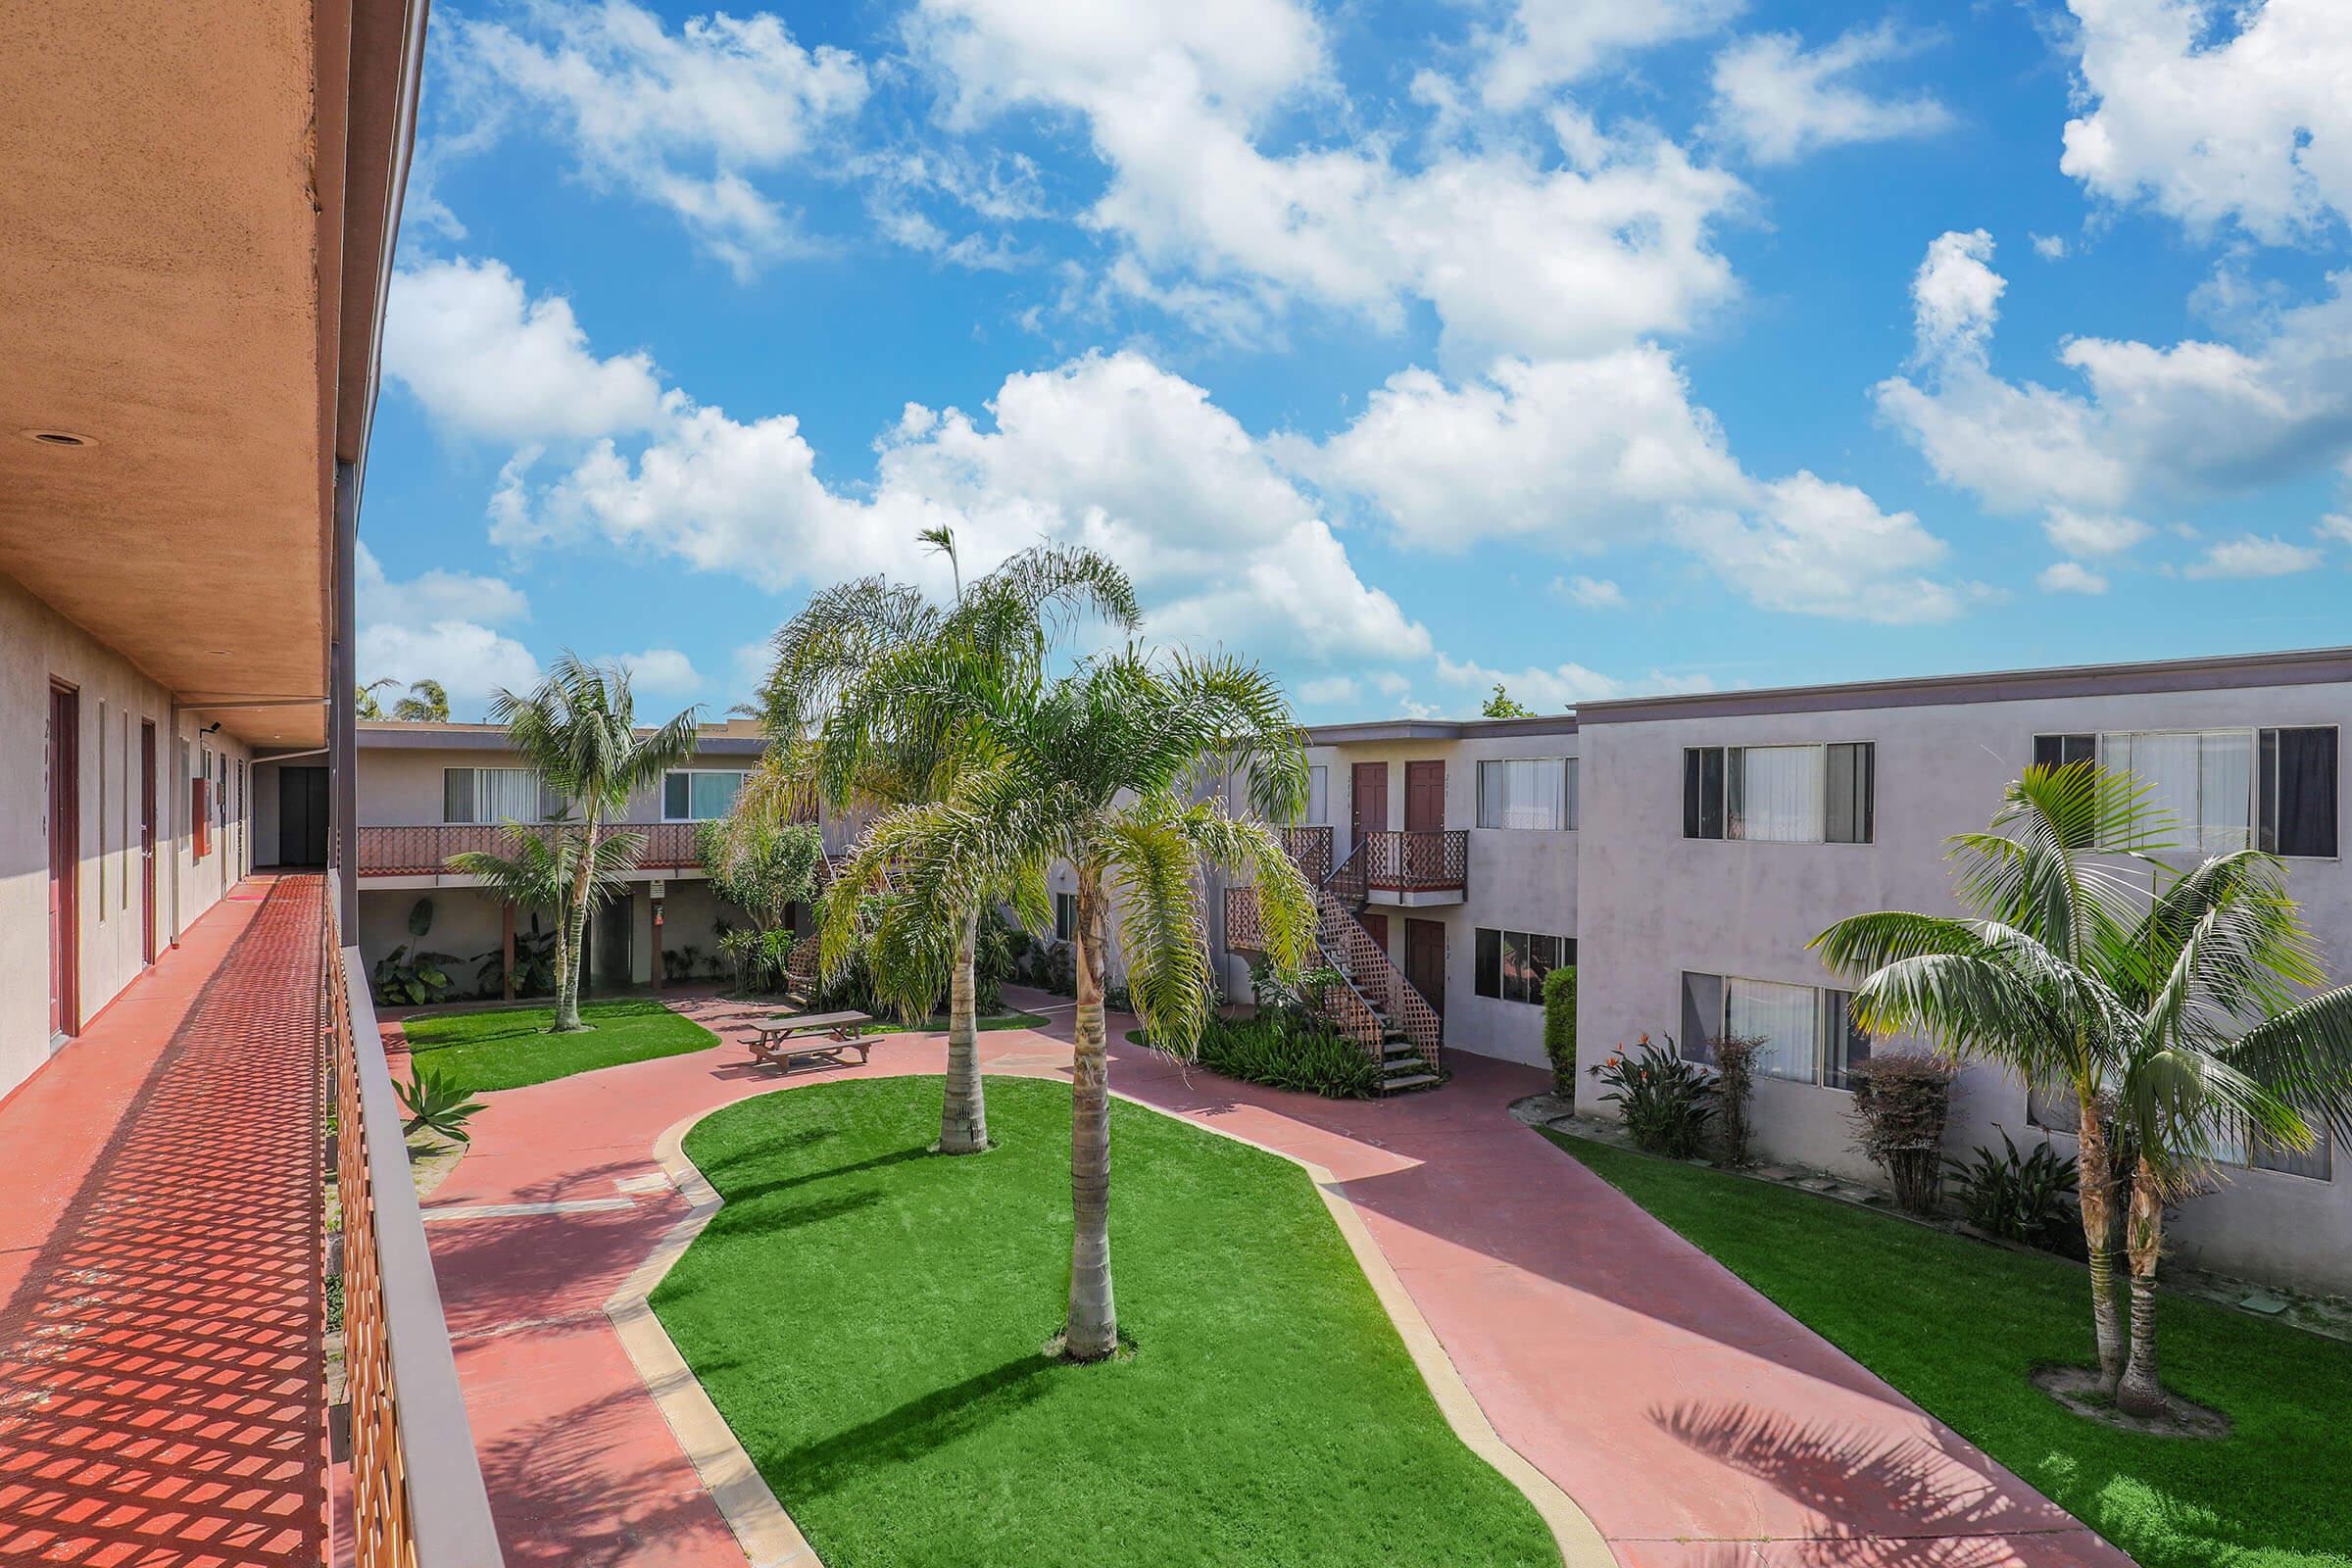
(1310, 849)
(416, 1496)
(1403, 861)
(425, 850)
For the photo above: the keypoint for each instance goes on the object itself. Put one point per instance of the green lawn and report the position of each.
(870, 1320)
(1958, 1326)
(507, 1048)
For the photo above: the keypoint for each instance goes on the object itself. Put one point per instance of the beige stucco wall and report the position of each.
(36, 646)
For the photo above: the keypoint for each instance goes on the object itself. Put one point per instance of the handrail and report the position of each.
(424, 849)
(417, 1498)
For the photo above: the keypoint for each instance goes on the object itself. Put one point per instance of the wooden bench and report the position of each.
(779, 1038)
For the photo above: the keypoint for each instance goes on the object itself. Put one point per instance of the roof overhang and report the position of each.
(197, 210)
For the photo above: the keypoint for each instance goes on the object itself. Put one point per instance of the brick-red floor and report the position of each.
(161, 1347)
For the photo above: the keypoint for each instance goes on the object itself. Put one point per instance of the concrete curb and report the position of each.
(765, 1529)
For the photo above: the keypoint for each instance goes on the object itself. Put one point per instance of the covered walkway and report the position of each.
(161, 1342)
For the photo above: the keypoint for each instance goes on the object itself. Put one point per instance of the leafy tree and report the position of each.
(1502, 705)
(760, 865)
(368, 707)
(861, 714)
(1103, 767)
(427, 703)
(551, 866)
(578, 727)
(2174, 1004)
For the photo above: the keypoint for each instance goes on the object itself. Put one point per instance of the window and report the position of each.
(1318, 794)
(1511, 965)
(2225, 789)
(693, 796)
(1781, 794)
(1809, 1035)
(1066, 915)
(494, 794)
(2064, 751)
(1530, 792)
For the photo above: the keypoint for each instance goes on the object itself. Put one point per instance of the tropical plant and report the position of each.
(2176, 1005)
(1284, 1051)
(427, 703)
(578, 727)
(437, 1103)
(534, 963)
(556, 866)
(1102, 768)
(761, 960)
(856, 718)
(1735, 1057)
(1665, 1102)
(2027, 1198)
(1502, 705)
(1559, 1028)
(1902, 1100)
(408, 976)
(760, 864)
(368, 706)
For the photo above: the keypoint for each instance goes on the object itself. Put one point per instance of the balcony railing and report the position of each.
(1310, 849)
(1407, 863)
(425, 850)
(416, 1494)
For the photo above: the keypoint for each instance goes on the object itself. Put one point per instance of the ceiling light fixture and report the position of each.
(57, 438)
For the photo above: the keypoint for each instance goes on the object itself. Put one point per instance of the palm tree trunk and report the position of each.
(567, 1002)
(2138, 1392)
(1093, 1331)
(963, 1118)
(2096, 1189)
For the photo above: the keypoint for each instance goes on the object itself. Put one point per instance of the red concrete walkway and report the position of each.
(161, 1362)
(1697, 1424)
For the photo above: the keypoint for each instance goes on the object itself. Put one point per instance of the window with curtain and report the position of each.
(1318, 794)
(493, 795)
(693, 796)
(1526, 793)
(1809, 1035)
(2262, 1154)
(1066, 915)
(1783, 1016)
(2202, 779)
(2295, 792)
(1781, 794)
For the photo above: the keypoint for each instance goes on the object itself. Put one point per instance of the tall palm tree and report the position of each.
(2091, 963)
(856, 716)
(543, 873)
(427, 703)
(578, 727)
(1106, 768)
(368, 706)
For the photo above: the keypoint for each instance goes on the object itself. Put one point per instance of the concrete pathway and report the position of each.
(1694, 1422)
(161, 1351)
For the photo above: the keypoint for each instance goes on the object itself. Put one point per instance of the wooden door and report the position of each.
(1424, 796)
(1424, 960)
(1368, 784)
(147, 840)
(1376, 926)
(64, 860)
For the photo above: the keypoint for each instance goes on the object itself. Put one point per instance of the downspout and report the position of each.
(342, 704)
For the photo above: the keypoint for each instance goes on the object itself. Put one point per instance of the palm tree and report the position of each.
(1105, 768)
(578, 727)
(856, 716)
(2089, 962)
(427, 703)
(544, 873)
(368, 706)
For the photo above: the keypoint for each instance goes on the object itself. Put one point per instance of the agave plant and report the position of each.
(436, 1103)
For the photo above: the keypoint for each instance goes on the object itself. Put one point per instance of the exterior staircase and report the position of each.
(1372, 1002)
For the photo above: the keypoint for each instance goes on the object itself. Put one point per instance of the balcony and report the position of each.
(425, 850)
(1407, 868)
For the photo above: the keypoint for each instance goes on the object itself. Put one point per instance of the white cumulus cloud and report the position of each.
(2254, 556)
(1781, 101)
(2070, 577)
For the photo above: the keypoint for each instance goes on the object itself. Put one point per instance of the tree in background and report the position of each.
(1105, 769)
(1504, 705)
(368, 706)
(864, 711)
(2174, 1004)
(426, 702)
(578, 728)
(550, 866)
(763, 866)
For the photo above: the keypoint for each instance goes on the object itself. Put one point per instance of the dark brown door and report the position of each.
(1424, 960)
(64, 860)
(1369, 784)
(1424, 796)
(1377, 926)
(302, 810)
(147, 840)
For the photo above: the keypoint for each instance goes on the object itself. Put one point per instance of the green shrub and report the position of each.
(1560, 1029)
(1735, 1086)
(2022, 1197)
(1664, 1101)
(434, 1100)
(1283, 1052)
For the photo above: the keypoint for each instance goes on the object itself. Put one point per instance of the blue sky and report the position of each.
(1594, 347)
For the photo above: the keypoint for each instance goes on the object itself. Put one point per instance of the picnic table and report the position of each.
(781, 1037)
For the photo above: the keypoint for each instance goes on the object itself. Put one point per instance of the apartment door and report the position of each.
(1423, 814)
(64, 756)
(1424, 960)
(1375, 925)
(147, 840)
(302, 816)
(1368, 783)
(614, 923)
